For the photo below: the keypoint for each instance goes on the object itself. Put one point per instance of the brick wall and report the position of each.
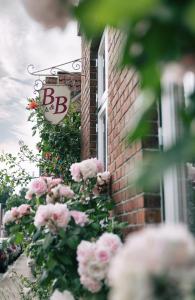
(88, 101)
(132, 204)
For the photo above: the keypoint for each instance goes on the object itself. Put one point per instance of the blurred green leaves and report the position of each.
(155, 34)
(94, 15)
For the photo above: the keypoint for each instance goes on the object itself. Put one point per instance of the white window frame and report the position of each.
(102, 98)
(175, 193)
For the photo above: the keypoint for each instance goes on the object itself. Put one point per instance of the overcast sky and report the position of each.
(24, 42)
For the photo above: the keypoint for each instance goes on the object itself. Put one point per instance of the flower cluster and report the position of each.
(53, 187)
(16, 213)
(103, 178)
(57, 216)
(79, 217)
(32, 104)
(167, 251)
(88, 168)
(58, 192)
(94, 259)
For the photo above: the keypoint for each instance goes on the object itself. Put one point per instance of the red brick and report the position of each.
(132, 205)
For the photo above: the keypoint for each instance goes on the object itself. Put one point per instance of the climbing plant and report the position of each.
(59, 145)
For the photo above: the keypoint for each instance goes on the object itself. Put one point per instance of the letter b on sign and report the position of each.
(55, 101)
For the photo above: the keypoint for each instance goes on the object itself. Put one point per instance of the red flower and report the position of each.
(32, 105)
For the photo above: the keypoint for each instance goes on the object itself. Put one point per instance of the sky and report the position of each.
(24, 42)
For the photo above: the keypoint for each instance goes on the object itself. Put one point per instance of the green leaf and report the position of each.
(95, 15)
(48, 241)
(73, 242)
(19, 237)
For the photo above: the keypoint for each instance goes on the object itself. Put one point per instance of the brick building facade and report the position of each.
(113, 94)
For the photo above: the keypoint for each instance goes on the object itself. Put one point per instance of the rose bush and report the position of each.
(55, 222)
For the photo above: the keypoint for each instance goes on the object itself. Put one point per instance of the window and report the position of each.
(179, 192)
(102, 97)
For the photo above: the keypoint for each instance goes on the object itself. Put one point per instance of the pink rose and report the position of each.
(92, 285)
(75, 172)
(43, 215)
(103, 178)
(85, 251)
(38, 186)
(103, 254)
(15, 213)
(79, 217)
(111, 241)
(8, 218)
(28, 195)
(60, 215)
(65, 191)
(24, 209)
(55, 181)
(86, 169)
(99, 165)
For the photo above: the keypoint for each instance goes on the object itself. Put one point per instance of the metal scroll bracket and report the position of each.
(69, 67)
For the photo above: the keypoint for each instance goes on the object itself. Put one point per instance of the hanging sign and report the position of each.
(55, 101)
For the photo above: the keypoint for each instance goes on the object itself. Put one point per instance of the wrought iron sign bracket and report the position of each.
(73, 66)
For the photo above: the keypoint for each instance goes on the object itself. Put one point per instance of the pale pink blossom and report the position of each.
(60, 215)
(48, 180)
(103, 178)
(62, 191)
(99, 165)
(93, 262)
(43, 215)
(8, 217)
(38, 186)
(166, 250)
(24, 210)
(96, 270)
(79, 217)
(85, 251)
(66, 191)
(55, 181)
(92, 285)
(15, 213)
(57, 295)
(28, 195)
(75, 172)
(103, 254)
(86, 169)
(111, 241)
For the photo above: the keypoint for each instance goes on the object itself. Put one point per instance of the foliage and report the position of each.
(32, 290)
(12, 172)
(5, 193)
(15, 199)
(59, 145)
(155, 33)
(53, 249)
